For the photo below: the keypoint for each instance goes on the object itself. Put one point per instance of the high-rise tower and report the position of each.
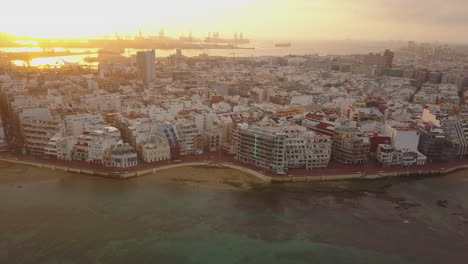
(146, 65)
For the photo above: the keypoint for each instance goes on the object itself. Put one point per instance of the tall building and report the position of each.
(379, 60)
(186, 132)
(389, 55)
(146, 64)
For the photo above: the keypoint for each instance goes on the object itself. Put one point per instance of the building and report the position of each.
(389, 55)
(283, 148)
(403, 137)
(2, 130)
(102, 140)
(435, 145)
(379, 60)
(349, 146)
(388, 156)
(146, 66)
(155, 150)
(65, 147)
(212, 140)
(263, 148)
(3, 145)
(75, 124)
(186, 133)
(168, 131)
(124, 156)
(37, 131)
(80, 151)
(434, 77)
(320, 149)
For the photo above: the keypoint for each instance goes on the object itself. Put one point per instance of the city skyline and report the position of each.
(296, 20)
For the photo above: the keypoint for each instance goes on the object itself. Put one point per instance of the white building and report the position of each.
(65, 147)
(403, 137)
(38, 127)
(186, 133)
(75, 124)
(389, 156)
(101, 141)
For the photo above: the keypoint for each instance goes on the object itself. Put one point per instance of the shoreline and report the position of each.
(133, 173)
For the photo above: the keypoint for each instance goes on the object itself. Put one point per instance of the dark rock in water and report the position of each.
(19, 186)
(442, 203)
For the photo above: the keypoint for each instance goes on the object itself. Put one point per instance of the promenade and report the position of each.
(335, 170)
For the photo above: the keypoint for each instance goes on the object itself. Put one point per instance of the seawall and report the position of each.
(266, 178)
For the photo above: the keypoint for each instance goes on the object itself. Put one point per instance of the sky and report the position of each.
(420, 20)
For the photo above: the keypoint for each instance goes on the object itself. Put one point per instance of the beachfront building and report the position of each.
(212, 139)
(51, 149)
(320, 149)
(124, 156)
(186, 132)
(80, 151)
(263, 148)
(155, 150)
(3, 145)
(65, 147)
(283, 148)
(434, 144)
(102, 140)
(37, 130)
(388, 156)
(350, 146)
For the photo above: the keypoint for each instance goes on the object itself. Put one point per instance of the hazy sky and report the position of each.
(427, 20)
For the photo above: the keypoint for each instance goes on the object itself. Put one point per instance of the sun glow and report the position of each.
(40, 63)
(27, 42)
(88, 18)
(290, 20)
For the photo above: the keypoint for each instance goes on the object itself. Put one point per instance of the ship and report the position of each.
(283, 45)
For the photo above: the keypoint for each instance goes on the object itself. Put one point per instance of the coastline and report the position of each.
(262, 175)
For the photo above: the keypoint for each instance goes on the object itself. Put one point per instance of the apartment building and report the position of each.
(212, 139)
(320, 149)
(282, 148)
(350, 146)
(155, 150)
(37, 131)
(186, 133)
(263, 148)
(124, 156)
(388, 156)
(100, 142)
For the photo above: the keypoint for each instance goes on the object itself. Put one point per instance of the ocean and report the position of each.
(216, 215)
(261, 48)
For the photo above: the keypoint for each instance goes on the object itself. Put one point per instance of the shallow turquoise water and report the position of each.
(77, 219)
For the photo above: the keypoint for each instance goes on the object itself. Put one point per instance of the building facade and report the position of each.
(124, 156)
(146, 66)
(349, 146)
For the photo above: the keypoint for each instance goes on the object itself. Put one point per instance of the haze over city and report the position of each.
(420, 20)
